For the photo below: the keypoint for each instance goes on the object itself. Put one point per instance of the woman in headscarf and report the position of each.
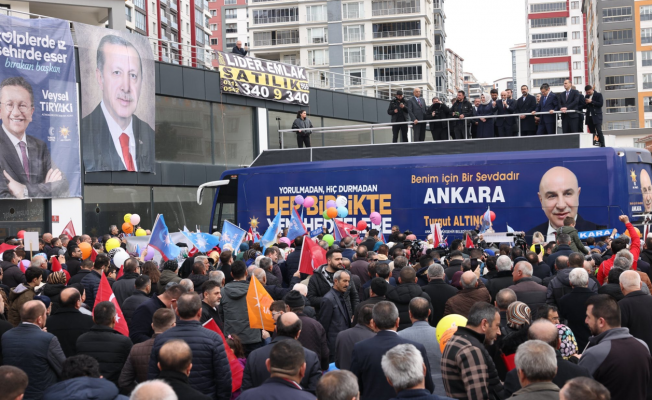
(486, 125)
(518, 322)
(56, 282)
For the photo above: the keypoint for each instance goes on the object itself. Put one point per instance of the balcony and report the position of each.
(391, 34)
(275, 20)
(397, 56)
(353, 37)
(317, 39)
(355, 58)
(400, 78)
(164, 2)
(173, 5)
(317, 62)
(173, 24)
(396, 11)
(164, 19)
(276, 42)
(231, 30)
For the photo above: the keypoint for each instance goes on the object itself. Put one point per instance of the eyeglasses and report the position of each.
(10, 107)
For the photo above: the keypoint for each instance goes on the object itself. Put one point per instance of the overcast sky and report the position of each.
(482, 32)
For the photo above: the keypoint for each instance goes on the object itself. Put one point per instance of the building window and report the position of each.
(275, 15)
(275, 38)
(397, 52)
(353, 33)
(290, 59)
(214, 41)
(646, 35)
(547, 7)
(550, 81)
(355, 76)
(396, 29)
(646, 57)
(646, 13)
(213, 27)
(353, 10)
(647, 104)
(547, 67)
(623, 36)
(577, 65)
(620, 125)
(575, 20)
(140, 4)
(231, 28)
(316, 13)
(577, 35)
(577, 80)
(188, 27)
(577, 50)
(647, 81)
(128, 13)
(228, 2)
(394, 7)
(618, 60)
(619, 82)
(549, 37)
(395, 74)
(648, 123)
(317, 35)
(318, 57)
(617, 14)
(575, 5)
(213, 13)
(354, 55)
(230, 42)
(187, 9)
(615, 106)
(545, 22)
(550, 52)
(230, 13)
(141, 21)
(199, 35)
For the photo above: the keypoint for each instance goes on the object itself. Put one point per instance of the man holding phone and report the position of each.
(237, 49)
(438, 110)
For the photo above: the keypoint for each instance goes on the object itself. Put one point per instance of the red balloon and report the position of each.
(21, 234)
(492, 215)
(362, 225)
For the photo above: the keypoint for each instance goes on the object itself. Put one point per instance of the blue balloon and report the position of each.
(342, 212)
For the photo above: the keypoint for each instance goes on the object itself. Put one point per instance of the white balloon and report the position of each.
(119, 258)
(341, 201)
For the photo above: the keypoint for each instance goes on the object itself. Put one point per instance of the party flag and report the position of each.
(469, 242)
(271, 234)
(258, 303)
(69, 230)
(510, 229)
(296, 228)
(232, 235)
(56, 265)
(104, 293)
(486, 221)
(234, 364)
(161, 240)
(312, 256)
(93, 254)
(437, 237)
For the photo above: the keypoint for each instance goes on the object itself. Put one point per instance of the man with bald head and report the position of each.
(417, 111)
(527, 290)
(473, 291)
(175, 363)
(559, 194)
(67, 323)
(646, 190)
(36, 352)
(635, 307)
(546, 331)
(504, 106)
(288, 326)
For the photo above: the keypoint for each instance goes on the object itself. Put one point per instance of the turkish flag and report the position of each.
(104, 293)
(234, 364)
(312, 256)
(93, 254)
(56, 266)
(469, 242)
(69, 230)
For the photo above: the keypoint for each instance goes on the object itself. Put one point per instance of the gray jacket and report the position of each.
(233, 310)
(422, 332)
(345, 342)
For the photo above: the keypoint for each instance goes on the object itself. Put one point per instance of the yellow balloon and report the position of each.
(140, 232)
(112, 244)
(127, 218)
(447, 322)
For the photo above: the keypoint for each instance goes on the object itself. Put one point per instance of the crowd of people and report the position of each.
(564, 320)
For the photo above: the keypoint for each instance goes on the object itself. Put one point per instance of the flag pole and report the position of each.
(262, 322)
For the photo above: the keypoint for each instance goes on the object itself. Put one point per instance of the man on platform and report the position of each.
(568, 101)
(525, 105)
(399, 112)
(593, 108)
(417, 111)
(460, 108)
(549, 103)
(505, 106)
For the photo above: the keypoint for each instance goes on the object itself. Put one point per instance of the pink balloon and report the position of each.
(375, 218)
(135, 219)
(285, 240)
(308, 202)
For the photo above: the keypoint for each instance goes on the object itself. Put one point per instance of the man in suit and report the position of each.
(474, 124)
(367, 355)
(237, 49)
(525, 105)
(460, 108)
(505, 106)
(399, 112)
(113, 138)
(27, 168)
(549, 103)
(347, 339)
(333, 313)
(593, 108)
(568, 101)
(559, 194)
(417, 112)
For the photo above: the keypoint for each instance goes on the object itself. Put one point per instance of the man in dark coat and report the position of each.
(140, 328)
(68, 323)
(333, 313)
(124, 287)
(461, 108)
(525, 288)
(92, 281)
(372, 239)
(377, 290)
(212, 293)
(288, 327)
(321, 282)
(563, 249)
(109, 347)
(548, 104)
(140, 294)
(503, 278)
(237, 49)
(313, 336)
(416, 106)
(210, 374)
(399, 112)
(367, 355)
(198, 275)
(347, 339)
(403, 293)
(593, 108)
(568, 100)
(73, 259)
(360, 266)
(439, 291)
(504, 106)
(572, 307)
(12, 276)
(525, 105)
(635, 307)
(84, 269)
(292, 262)
(175, 364)
(437, 111)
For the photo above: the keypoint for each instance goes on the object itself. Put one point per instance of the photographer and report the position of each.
(438, 110)
(399, 112)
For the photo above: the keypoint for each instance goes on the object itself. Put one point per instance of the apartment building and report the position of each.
(472, 87)
(371, 47)
(555, 43)
(229, 22)
(520, 68)
(454, 74)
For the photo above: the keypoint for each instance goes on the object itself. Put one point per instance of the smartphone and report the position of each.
(537, 248)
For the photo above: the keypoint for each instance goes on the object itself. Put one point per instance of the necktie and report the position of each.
(23, 153)
(567, 95)
(504, 104)
(544, 99)
(124, 144)
(418, 102)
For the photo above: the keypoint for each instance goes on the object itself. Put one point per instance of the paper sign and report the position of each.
(31, 241)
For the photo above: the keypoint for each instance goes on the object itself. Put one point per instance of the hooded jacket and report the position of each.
(401, 296)
(18, 296)
(318, 287)
(575, 244)
(83, 388)
(559, 286)
(12, 275)
(233, 310)
(167, 276)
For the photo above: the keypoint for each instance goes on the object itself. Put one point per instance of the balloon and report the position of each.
(332, 212)
(637, 231)
(362, 225)
(285, 240)
(341, 201)
(342, 212)
(85, 249)
(21, 234)
(127, 218)
(375, 218)
(325, 215)
(299, 199)
(135, 219)
(112, 244)
(120, 257)
(331, 204)
(328, 239)
(150, 253)
(140, 232)
(308, 202)
(446, 337)
(448, 322)
(492, 215)
(127, 227)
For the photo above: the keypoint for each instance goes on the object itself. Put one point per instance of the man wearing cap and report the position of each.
(399, 112)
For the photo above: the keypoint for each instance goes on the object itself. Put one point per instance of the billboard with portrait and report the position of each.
(39, 141)
(117, 92)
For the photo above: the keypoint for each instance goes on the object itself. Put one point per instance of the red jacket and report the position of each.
(634, 248)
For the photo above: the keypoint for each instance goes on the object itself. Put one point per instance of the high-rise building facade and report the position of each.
(229, 23)
(454, 74)
(472, 88)
(371, 47)
(520, 68)
(555, 43)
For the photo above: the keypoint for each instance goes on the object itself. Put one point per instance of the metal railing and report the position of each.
(391, 34)
(353, 37)
(354, 58)
(373, 128)
(395, 11)
(317, 39)
(173, 6)
(397, 56)
(275, 20)
(276, 42)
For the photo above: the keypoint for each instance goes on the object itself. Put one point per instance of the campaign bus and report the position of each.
(529, 191)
